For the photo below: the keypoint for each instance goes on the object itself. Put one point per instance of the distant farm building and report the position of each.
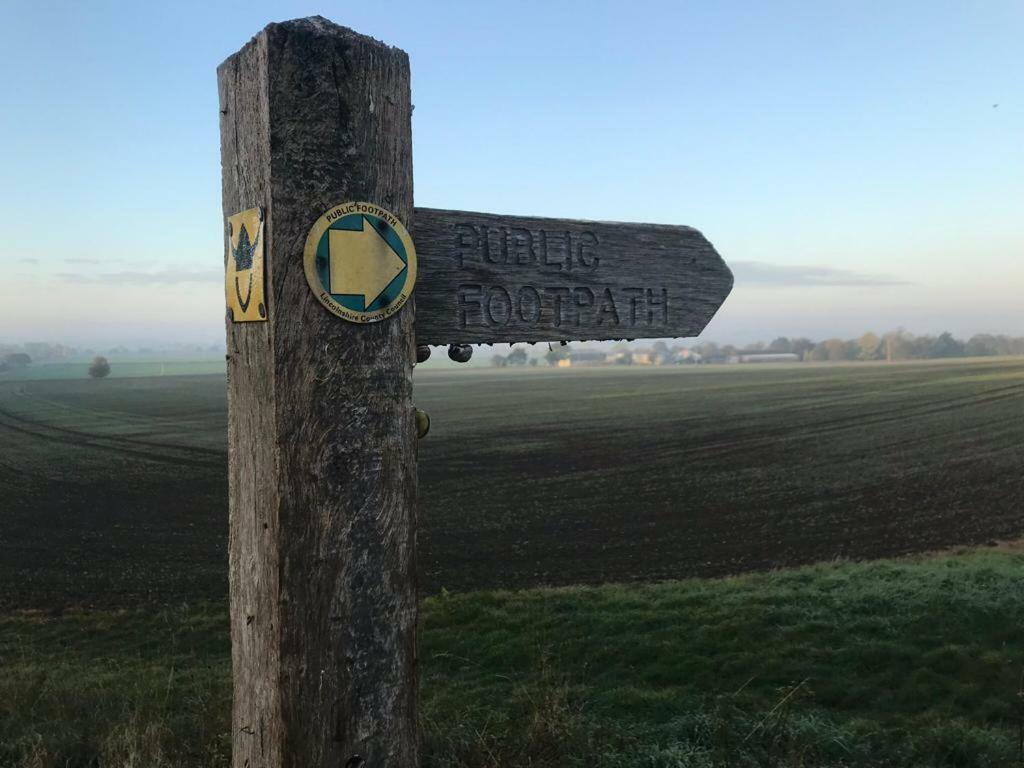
(583, 357)
(686, 356)
(767, 357)
(674, 356)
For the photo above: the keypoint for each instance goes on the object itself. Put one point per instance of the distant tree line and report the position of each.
(517, 356)
(45, 352)
(895, 345)
(36, 351)
(99, 368)
(13, 360)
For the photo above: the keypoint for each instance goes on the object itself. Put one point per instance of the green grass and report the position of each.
(895, 663)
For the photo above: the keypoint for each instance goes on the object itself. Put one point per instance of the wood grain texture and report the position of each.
(492, 278)
(322, 434)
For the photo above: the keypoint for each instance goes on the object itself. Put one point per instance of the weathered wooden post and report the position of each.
(317, 172)
(321, 429)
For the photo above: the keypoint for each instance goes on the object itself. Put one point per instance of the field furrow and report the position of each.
(115, 492)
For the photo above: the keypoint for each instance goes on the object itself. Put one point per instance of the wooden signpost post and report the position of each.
(316, 153)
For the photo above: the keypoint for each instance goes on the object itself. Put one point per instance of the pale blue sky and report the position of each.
(846, 158)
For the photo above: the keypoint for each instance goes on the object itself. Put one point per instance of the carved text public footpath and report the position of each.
(561, 254)
(489, 278)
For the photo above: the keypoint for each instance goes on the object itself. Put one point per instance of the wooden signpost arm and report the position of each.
(321, 427)
(489, 278)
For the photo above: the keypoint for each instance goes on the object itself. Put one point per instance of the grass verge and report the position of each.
(893, 663)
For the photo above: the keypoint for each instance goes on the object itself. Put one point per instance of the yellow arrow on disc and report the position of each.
(361, 262)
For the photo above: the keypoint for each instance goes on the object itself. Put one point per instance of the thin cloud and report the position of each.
(76, 260)
(29, 261)
(762, 273)
(129, 277)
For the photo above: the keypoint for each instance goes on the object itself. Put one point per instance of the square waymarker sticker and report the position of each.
(243, 268)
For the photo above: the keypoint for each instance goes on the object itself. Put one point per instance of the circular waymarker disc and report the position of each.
(360, 262)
